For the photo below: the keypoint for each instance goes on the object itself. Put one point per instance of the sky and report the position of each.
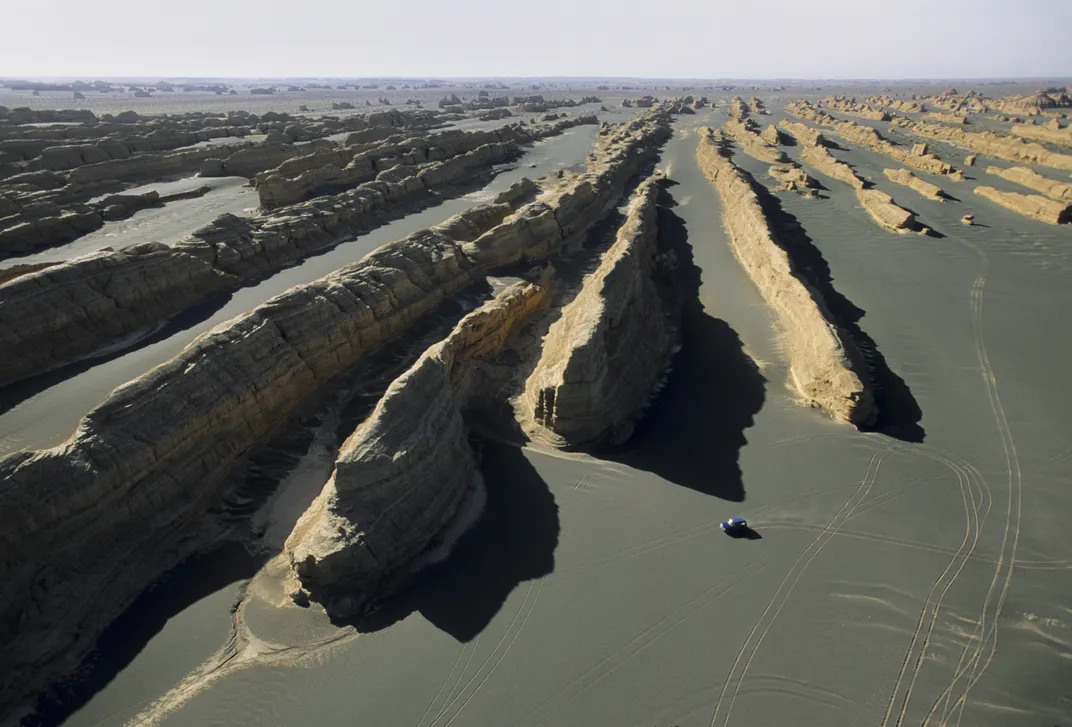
(743, 39)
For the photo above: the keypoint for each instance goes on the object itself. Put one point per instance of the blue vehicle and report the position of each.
(734, 526)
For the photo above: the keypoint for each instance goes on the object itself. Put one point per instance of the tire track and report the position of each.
(509, 630)
(457, 661)
(785, 589)
(1010, 539)
(945, 581)
(495, 666)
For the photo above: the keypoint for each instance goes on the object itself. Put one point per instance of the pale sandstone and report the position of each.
(1035, 206)
(400, 477)
(1052, 134)
(946, 118)
(905, 177)
(825, 364)
(994, 144)
(754, 145)
(1052, 188)
(602, 358)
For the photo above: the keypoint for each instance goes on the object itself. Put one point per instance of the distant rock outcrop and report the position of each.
(993, 144)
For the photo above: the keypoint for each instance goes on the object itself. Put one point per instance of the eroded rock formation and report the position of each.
(905, 177)
(72, 309)
(400, 477)
(1060, 191)
(993, 144)
(868, 138)
(1052, 133)
(826, 367)
(156, 453)
(754, 145)
(946, 118)
(1034, 206)
(794, 179)
(603, 357)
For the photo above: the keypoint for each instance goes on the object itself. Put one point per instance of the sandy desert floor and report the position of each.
(919, 575)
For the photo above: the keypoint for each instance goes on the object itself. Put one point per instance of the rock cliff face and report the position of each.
(1060, 191)
(400, 477)
(1035, 206)
(79, 523)
(825, 365)
(603, 357)
(905, 177)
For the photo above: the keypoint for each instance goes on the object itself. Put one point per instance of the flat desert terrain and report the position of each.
(418, 417)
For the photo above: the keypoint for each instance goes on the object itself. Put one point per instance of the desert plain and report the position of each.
(420, 403)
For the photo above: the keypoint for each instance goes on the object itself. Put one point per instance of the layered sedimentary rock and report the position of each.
(825, 364)
(1035, 206)
(754, 145)
(400, 477)
(79, 523)
(332, 170)
(107, 295)
(20, 235)
(905, 177)
(603, 356)
(1060, 191)
(868, 138)
(993, 144)
(146, 166)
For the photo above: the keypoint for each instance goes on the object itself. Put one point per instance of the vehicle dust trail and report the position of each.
(785, 589)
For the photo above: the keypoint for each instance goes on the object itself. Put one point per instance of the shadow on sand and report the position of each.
(694, 431)
(195, 578)
(514, 541)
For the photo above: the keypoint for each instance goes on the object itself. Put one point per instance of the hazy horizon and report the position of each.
(831, 40)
